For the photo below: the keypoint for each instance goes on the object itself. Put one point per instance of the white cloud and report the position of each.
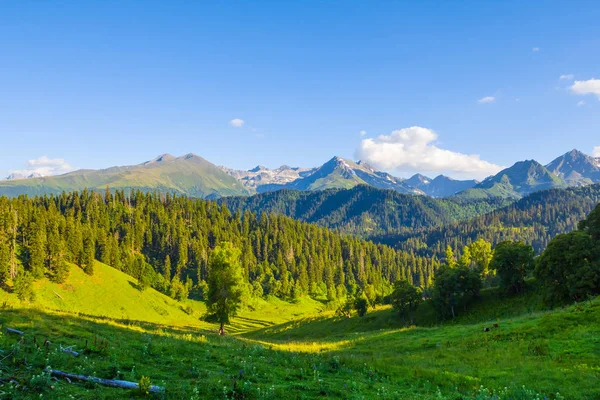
(536, 49)
(236, 123)
(486, 100)
(44, 166)
(413, 149)
(597, 151)
(363, 133)
(591, 86)
(568, 77)
(581, 103)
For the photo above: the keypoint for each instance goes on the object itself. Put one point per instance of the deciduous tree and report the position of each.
(405, 299)
(512, 261)
(569, 268)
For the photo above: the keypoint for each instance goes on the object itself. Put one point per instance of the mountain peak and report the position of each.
(418, 179)
(15, 176)
(440, 186)
(258, 168)
(576, 167)
(160, 158)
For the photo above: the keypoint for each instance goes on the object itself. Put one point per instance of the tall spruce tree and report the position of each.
(224, 284)
(88, 252)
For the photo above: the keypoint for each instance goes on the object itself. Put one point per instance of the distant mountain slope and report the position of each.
(535, 219)
(576, 168)
(344, 174)
(261, 178)
(190, 175)
(364, 210)
(521, 179)
(440, 186)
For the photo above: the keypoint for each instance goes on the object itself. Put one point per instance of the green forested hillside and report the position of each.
(365, 210)
(165, 240)
(534, 219)
(425, 225)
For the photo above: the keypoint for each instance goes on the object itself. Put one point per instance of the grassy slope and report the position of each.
(270, 356)
(113, 295)
(556, 351)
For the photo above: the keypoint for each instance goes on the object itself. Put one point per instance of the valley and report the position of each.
(309, 200)
(314, 354)
(320, 313)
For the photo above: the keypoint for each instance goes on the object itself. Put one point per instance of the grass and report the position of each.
(113, 295)
(554, 351)
(295, 351)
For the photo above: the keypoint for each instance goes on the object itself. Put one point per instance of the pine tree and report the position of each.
(4, 260)
(224, 284)
(450, 259)
(88, 252)
(37, 250)
(166, 272)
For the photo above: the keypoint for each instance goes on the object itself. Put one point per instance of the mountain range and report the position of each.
(189, 175)
(192, 175)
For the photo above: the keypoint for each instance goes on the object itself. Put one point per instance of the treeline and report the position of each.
(534, 220)
(364, 210)
(165, 241)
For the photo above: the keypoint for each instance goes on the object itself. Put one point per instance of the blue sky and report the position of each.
(115, 82)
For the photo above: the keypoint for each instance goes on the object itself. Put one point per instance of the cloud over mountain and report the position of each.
(414, 149)
(44, 166)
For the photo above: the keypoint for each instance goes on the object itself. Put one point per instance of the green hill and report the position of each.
(108, 293)
(365, 210)
(190, 175)
(113, 295)
(534, 219)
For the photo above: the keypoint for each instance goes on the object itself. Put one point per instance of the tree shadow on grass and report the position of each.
(135, 286)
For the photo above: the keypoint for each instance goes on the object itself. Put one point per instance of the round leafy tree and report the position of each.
(569, 268)
(405, 299)
(513, 261)
(454, 288)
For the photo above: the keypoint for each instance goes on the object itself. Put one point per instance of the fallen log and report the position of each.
(69, 350)
(16, 332)
(104, 382)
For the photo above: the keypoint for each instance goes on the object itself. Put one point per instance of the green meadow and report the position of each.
(281, 350)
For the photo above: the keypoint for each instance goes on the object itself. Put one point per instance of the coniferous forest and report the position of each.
(427, 226)
(165, 240)
(535, 220)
